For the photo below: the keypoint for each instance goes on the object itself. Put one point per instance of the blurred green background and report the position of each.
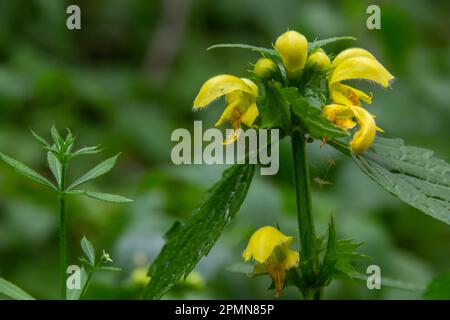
(128, 78)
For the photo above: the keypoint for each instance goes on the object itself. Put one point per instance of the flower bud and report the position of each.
(293, 50)
(319, 60)
(264, 68)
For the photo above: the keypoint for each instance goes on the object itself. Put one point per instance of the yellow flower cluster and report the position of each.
(345, 111)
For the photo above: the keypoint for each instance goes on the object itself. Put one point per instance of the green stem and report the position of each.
(304, 213)
(87, 283)
(62, 234)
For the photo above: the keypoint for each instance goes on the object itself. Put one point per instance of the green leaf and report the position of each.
(311, 117)
(439, 288)
(41, 140)
(74, 294)
(55, 167)
(88, 250)
(320, 43)
(26, 171)
(12, 291)
(86, 151)
(56, 137)
(412, 174)
(330, 258)
(392, 283)
(244, 46)
(97, 171)
(102, 196)
(107, 268)
(274, 110)
(187, 243)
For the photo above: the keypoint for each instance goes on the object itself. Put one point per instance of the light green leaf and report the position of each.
(412, 174)
(244, 46)
(392, 283)
(86, 151)
(41, 140)
(439, 288)
(102, 196)
(187, 243)
(55, 167)
(74, 294)
(26, 171)
(320, 43)
(107, 268)
(97, 171)
(88, 250)
(12, 291)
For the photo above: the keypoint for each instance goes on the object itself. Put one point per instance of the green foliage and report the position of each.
(91, 266)
(187, 243)
(439, 287)
(311, 117)
(12, 291)
(412, 174)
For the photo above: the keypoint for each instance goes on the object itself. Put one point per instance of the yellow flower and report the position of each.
(240, 94)
(270, 249)
(355, 63)
(319, 59)
(343, 116)
(293, 50)
(264, 68)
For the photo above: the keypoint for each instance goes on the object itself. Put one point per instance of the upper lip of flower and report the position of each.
(355, 63)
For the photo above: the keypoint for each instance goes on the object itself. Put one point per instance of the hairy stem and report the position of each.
(305, 216)
(62, 234)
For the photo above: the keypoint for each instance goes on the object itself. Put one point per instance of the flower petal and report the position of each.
(364, 137)
(351, 53)
(249, 117)
(347, 95)
(226, 114)
(263, 242)
(361, 68)
(218, 86)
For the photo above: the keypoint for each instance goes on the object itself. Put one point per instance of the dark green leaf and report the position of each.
(187, 243)
(97, 171)
(439, 288)
(311, 117)
(12, 291)
(26, 171)
(412, 174)
(274, 110)
(88, 250)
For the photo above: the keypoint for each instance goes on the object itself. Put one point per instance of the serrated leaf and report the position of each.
(187, 243)
(274, 110)
(97, 171)
(27, 172)
(412, 174)
(55, 167)
(102, 196)
(88, 250)
(311, 117)
(11, 290)
(439, 287)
